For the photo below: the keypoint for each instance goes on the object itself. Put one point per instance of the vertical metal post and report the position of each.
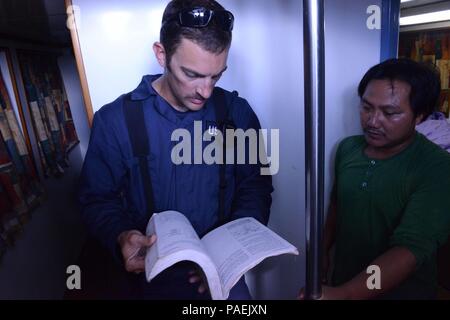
(314, 69)
(390, 29)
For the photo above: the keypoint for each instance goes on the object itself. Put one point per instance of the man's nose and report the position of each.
(374, 119)
(205, 88)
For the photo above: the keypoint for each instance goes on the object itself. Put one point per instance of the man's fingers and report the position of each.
(137, 239)
(134, 246)
(141, 240)
(194, 279)
(135, 265)
(151, 240)
(301, 294)
(201, 288)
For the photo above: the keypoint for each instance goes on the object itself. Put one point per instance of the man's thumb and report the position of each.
(150, 241)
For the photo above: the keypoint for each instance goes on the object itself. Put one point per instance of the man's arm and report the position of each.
(102, 208)
(396, 265)
(252, 197)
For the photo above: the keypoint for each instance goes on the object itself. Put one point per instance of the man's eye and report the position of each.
(191, 75)
(390, 113)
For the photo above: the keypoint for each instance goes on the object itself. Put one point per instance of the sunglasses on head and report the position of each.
(200, 17)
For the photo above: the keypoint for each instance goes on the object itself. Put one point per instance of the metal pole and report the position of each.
(390, 29)
(314, 69)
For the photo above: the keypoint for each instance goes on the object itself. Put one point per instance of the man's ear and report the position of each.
(160, 54)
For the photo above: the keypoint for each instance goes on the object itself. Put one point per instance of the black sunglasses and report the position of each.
(200, 17)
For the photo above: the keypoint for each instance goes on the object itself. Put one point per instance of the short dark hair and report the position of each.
(423, 79)
(212, 38)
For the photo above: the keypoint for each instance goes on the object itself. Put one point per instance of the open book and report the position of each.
(224, 254)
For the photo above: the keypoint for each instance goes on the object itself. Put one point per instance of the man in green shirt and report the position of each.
(390, 206)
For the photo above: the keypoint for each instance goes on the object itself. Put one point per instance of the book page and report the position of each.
(177, 241)
(174, 232)
(239, 245)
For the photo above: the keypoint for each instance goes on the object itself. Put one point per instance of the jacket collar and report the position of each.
(145, 89)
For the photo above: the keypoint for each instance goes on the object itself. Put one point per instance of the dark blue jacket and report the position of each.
(111, 192)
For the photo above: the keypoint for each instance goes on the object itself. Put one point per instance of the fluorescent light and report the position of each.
(426, 18)
(406, 1)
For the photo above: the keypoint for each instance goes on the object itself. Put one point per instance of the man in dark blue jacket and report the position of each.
(194, 42)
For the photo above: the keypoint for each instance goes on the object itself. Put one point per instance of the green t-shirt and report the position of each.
(403, 201)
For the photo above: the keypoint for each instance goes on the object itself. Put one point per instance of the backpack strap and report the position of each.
(134, 118)
(223, 123)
